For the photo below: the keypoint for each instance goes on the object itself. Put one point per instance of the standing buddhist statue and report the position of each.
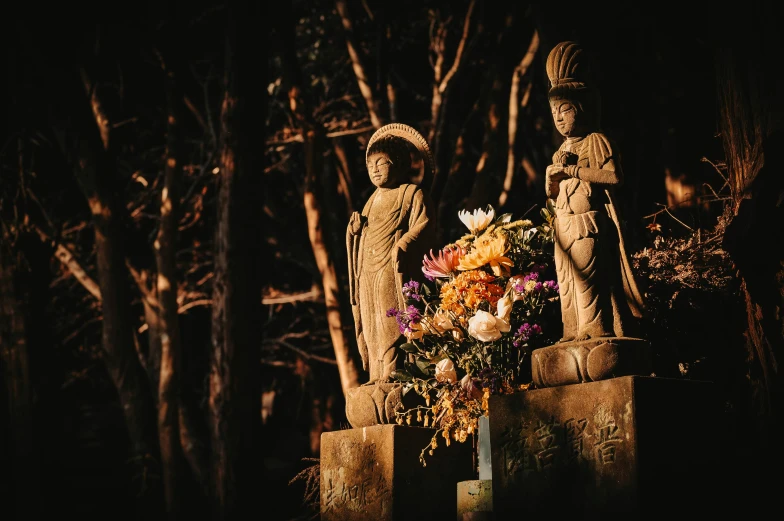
(386, 244)
(600, 300)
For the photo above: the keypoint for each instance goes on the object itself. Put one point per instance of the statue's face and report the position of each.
(381, 170)
(564, 116)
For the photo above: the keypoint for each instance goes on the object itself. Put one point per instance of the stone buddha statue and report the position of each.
(386, 244)
(600, 299)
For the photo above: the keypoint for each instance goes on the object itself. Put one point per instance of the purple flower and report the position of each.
(404, 319)
(525, 332)
(531, 276)
(411, 290)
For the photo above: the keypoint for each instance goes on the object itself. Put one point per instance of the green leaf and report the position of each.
(408, 347)
(414, 370)
(425, 366)
(501, 218)
(401, 376)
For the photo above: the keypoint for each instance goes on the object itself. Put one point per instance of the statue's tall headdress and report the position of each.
(387, 139)
(568, 69)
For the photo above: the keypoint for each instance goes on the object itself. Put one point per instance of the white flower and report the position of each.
(485, 327)
(504, 307)
(441, 321)
(445, 371)
(478, 220)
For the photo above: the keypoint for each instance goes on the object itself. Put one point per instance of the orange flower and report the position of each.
(490, 252)
(468, 290)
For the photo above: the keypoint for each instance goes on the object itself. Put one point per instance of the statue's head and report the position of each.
(574, 100)
(388, 161)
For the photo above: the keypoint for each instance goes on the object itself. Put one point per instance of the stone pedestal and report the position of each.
(637, 445)
(590, 360)
(375, 473)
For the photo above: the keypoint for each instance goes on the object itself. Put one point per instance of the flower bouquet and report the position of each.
(487, 304)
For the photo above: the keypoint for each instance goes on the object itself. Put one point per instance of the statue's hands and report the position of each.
(355, 223)
(554, 174)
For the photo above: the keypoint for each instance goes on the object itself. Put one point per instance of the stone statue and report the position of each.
(600, 300)
(386, 244)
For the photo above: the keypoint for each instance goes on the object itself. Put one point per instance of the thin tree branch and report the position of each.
(68, 260)
(298, 138)
(302, 352)
(460, 47)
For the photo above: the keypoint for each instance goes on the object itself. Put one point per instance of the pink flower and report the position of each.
(443, 264)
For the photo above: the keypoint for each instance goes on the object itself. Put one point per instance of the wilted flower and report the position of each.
(470, 388)
(478, 220)
(441, 321)
(445, 371)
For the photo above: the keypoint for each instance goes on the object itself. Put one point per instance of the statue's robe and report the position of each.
(398, 228)
(599, 295)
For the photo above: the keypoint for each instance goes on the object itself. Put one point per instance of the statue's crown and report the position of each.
(568, 68)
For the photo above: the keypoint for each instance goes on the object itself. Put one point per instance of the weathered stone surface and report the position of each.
(632, 445)
(375, 473)
(373, 404)
(475, 500)
(590, 361)
(385, 245)
(599, 293)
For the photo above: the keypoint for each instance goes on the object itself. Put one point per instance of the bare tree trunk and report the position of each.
(514, 106)
(234, 387)
(168, 329)
(752, 129)
(359, 69)
(314, 139)
(15, 360)
(344, 174)
(314, 148)
(752, 125)
(442, 83)
(96, 172)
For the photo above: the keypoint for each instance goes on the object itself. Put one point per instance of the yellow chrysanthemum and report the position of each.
(488, 252)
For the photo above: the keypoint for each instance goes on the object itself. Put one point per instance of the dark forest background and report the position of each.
(177, 178)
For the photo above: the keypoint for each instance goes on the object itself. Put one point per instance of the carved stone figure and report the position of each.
(600, 299)
(386, 244)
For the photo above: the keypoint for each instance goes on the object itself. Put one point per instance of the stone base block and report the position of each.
(636, 445)
(375, 473)
(590, 360)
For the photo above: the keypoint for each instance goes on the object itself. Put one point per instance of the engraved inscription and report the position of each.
(557, 443)
(607, 436)
(574, 431)
(547, 446)
(355, 495)
(357, 486)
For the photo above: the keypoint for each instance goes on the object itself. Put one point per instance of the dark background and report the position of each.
(657, 75)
